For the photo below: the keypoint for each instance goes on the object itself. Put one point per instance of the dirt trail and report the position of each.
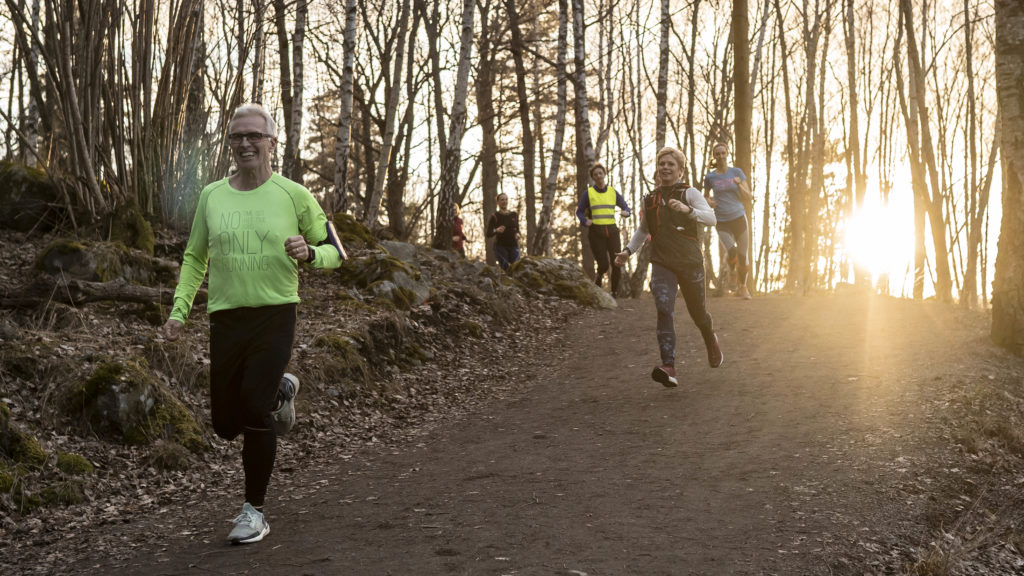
(806, 452)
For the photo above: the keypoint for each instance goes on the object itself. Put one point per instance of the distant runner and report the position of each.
(596, 212)
(504, 225)
(730, 191)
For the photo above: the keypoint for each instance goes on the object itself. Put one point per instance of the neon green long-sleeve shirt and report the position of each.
(239, 236)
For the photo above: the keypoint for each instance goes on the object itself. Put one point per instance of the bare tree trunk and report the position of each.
(795, 217)
(431, 22)
(584, 144)
(856, 181)
(285, 69)
(744, 106)
(932, 199)
(259, 56)
(398, 171)
(908, 106)
(453, 155)
(1008, 284)
(485, 105)
(691, 96)
(802, 220)
(83, 151)
(293, 148)
(391, 106)
(974, 208)
(32, 114)
(529, 178)
(543, 236)
(643, 258)
(661, 121)
(339, 197)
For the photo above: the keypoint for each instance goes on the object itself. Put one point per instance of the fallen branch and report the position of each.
(45, 288)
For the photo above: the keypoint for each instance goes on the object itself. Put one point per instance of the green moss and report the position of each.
(345, 358)
(66, 493)
(169, 419)
(473, 328)
(146, 411)
(105, 376)
(11, 485)
(362, 272)
(129, 227)
(348, 302)
(23, 448)
(73, 464)
(353, 233)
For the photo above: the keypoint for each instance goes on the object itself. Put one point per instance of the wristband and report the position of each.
(310, 254)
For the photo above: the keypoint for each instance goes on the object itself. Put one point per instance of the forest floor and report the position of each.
(844, 434)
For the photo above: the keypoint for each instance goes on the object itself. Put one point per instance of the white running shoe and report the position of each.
(284, 416)
(250, 526)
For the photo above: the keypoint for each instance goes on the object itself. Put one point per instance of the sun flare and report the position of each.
(880, 238)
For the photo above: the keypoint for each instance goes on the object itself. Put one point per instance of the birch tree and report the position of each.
(453, 153)
(744, 105)
(390, 110)
(517, 48)
(339, 198)
(542, 239)
(1008, 284)
(643, 258)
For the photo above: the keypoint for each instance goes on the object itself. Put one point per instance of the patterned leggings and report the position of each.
(665, 282)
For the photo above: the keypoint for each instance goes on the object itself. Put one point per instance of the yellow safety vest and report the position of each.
(602, 205)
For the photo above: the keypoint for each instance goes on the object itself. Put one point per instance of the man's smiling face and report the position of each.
(254, 153)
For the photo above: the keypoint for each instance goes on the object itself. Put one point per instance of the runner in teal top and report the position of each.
(250, 232)
(726, 190)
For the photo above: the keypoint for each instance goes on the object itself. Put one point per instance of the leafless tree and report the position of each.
(1008, 285)
(453, 153)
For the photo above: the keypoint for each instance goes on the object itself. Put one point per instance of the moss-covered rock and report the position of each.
(97, 262)
(404, 288)
(64, 493)
(16, 445)
(561, 278)
(73, 464)
(122, 401)
(11, 484)
(344, 356)
(28, 199)
(169, 456)
(129, 227)
(353, 234)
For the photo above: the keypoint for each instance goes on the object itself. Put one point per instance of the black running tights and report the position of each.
(249, 350)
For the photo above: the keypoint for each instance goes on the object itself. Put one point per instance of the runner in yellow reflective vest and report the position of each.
(596, 212)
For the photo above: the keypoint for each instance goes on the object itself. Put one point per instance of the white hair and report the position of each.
(256, 110)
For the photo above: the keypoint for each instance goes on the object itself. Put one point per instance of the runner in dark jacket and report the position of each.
(672, 217)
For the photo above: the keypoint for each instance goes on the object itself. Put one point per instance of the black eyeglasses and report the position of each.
(253, 137)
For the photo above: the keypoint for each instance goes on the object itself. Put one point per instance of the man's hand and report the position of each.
(621, 258)
(625, 213)
(171, 330)
(587, 221)
(297, 248)
(499, 229)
